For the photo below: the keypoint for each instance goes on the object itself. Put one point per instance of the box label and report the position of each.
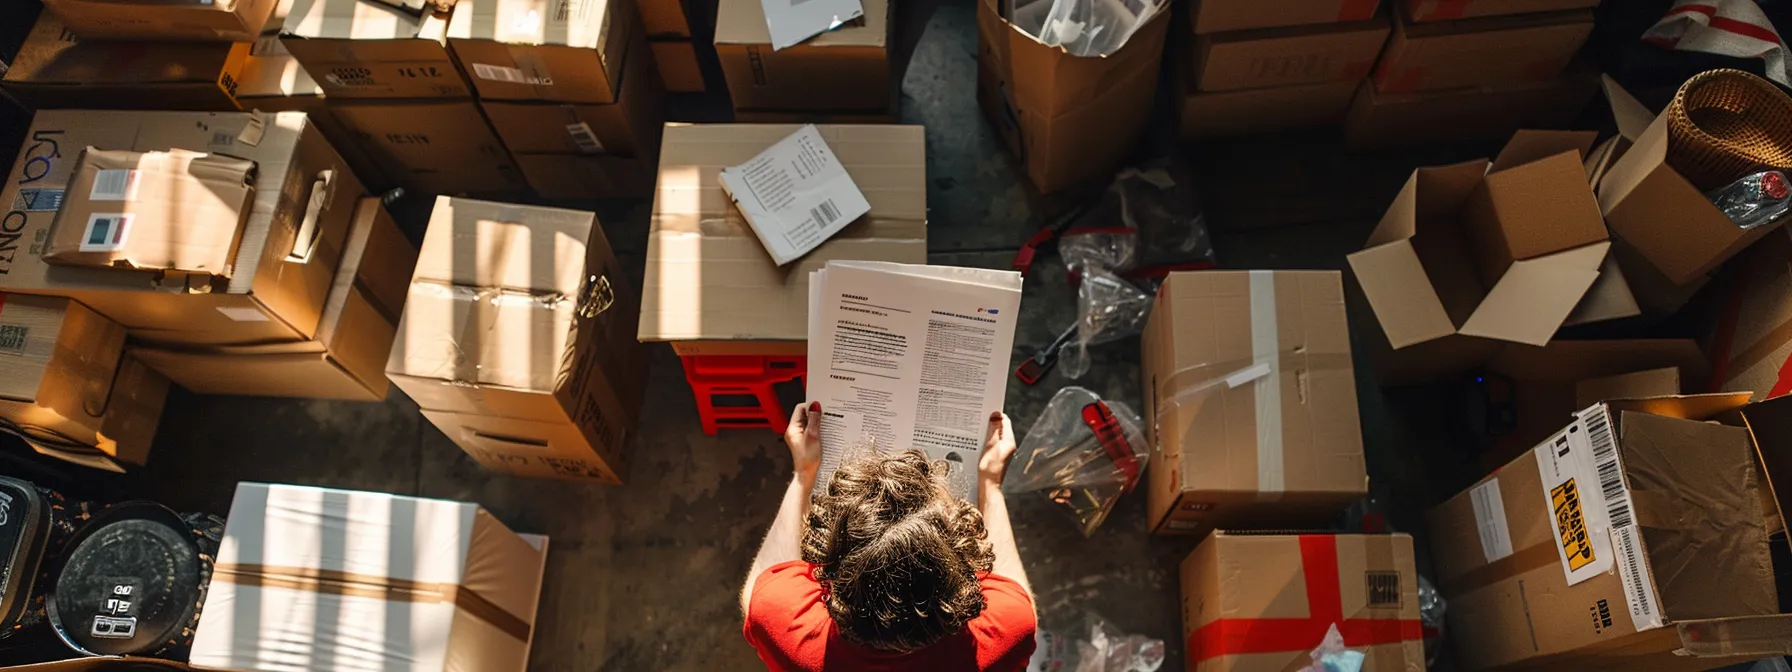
(38, 200)
(1584, 489)
(106, 232)
(114, 184)
(1639, 587)
(1490, 521)
(584, 138)
(499, 73)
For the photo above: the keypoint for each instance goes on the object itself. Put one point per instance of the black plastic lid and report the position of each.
(130, 584)
(24, 530)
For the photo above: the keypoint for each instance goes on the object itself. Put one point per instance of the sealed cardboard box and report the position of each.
(536, 325)
(853, 60)
(347, 357)
(679, 69)
(587, 176)
(434, 146)
(1318, 54)
(1446, 10)
(361, 49)
(66, 383)
(57, 70)
(1751, 333)
(1464, 260)
(202, 20)
(664, 18)
(712, 289)
(175, 210)
(1214, 16)
(464, 587)
(1250, 402)
(513, 50)
(629, 127)
(1383, 121)
(1266, 601)
(1253, 111)
(1634, 538)
(290, 245)
(273, 81)
(1479, 52)
(1067, 118)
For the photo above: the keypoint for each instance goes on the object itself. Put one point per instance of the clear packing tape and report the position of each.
(1083, 452)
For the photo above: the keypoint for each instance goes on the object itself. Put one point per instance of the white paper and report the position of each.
(905, 356)
(795, 194)
(792, 21)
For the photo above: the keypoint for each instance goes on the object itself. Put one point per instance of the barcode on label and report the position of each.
(1611, 477)
(105, 232)
(113, 184)
(12, 337)
(498, 73)
(1638, 592)
(825, 213)
(584, 138)
(1383, 588)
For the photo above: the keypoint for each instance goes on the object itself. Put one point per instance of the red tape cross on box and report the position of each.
(1319, 562)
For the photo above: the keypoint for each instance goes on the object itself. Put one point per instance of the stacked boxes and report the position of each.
(224, 21)
(1254, 67)
(671, 36)
(847, 75)
(58, 68)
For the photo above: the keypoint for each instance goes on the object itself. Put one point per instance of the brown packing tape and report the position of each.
(331, 582)
(1521, 561)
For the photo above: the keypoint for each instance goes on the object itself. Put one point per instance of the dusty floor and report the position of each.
(644, 576)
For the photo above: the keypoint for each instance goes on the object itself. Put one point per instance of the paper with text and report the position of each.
(795, 195)
(791, 21)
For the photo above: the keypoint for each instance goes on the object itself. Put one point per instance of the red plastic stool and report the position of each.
(736, 390)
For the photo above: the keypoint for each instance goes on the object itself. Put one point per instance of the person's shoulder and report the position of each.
(1008, 623)
(782, 594)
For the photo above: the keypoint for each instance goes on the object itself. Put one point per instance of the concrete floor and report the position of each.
(644, 576)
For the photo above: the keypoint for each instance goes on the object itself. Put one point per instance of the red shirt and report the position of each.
(789, 625)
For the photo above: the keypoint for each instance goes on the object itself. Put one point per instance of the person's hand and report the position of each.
(803, 435)
(998, 448)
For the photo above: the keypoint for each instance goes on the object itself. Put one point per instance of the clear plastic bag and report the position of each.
(1431, 616)
(1084, 27)
(1083, 453)
(1108, 308)
(1755, 200)
(1107, 649)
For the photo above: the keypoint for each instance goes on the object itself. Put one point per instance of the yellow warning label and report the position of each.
(1576, 546)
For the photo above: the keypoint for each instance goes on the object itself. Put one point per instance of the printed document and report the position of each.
(790, 22)
(795, 194)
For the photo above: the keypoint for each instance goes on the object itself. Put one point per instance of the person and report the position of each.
(887, 570)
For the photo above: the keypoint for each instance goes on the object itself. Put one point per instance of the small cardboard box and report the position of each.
(64, 374)
(854, 61)
(175, 210)
(291, 244)
(199, 20)
(1317, 54)
(712, 289)
(515, 50)
(1252, 111)
(56, 70)
(434, 146)
(679, 69)
(629, 127)
(1067, 118)
(359, 49)
(1265, 601)
(1250, 402)
(1383, 121)
(1477, 254)
(587, 176)
(1214, 16)
(406, 583)
(1635, 538)
(1751, 333)
(1447, 10)
(522, 313)
(346, 359)
(1479, 52)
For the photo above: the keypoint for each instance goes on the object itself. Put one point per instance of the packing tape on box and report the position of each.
(1265, 340)
(331, 582)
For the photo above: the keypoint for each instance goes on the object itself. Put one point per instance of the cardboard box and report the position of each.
(853, 60)
(461, 586)
(629, 127)
(1632, 539)
(1750, 336)
(434, 146)
(361, 49)
(1214, 16)
(1446, 10)
(64, 375)
(1067, 118)
(679, 69)
(529, 448)
(1265, 601)
(664, 18)
(222, 21)
(581, 176)
(291, 244)
(347, 358)
(176, 210)
(1465, 260)
(1250, 402)
(709, 279)
(1479, 52)
(1382, 121)
(539, 330)
(1319, 54)
(57, 70)
(514, 50)
(273, 81)
(1254, 111)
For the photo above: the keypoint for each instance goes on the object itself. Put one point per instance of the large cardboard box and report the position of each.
(712, 289)
(679, 69)
(1317, 54)
(1383, 121)
(1750, 335)
(629, 127)
(1214, 16)
(291, 243)
(515, 50)
(521, 315)
(587, 176)
(1479, 52)
(1466, 259)
(1635, 538)
(359, 49)
(1250, 402)
(1253, 111)
(1067, 118)
(854, 61)
(57, 70)
(347, 357)
(1446, 10)
(434, 146)
(66, 382)
(406, 583)
(203, 20)
(1265, 601)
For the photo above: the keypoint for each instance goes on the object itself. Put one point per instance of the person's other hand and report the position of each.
(998, 448)
(803, 435)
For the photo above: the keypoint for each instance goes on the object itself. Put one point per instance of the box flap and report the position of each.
(1405, 304)
(523, 248)
(176, 210)
(1534, 296)
(1684, 406)
(1432, 191)
(1530, 145)
(1650, 383)
(1632, 116)
(1770, 423)
(1610, 297)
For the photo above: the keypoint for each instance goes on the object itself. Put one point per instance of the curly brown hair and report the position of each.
(899, 556)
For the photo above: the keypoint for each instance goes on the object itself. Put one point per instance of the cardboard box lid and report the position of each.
(161, 210)
(524, 248)
(708, 276)
(53, 56)
(743, 22)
